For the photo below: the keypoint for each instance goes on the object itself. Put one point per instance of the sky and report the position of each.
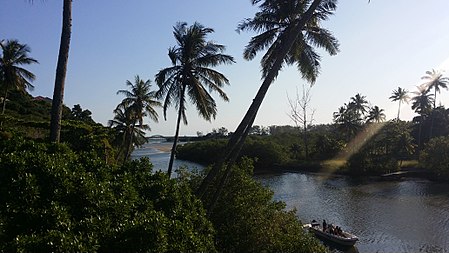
(383, 45)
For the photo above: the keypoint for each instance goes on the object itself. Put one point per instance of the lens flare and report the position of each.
(332, 165)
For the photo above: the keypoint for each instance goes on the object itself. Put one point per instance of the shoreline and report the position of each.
(162, 147)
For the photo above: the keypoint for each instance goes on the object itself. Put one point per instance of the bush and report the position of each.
(435, 157)
(263, 150)
(55, 200)
(248, 220)
(202, 152)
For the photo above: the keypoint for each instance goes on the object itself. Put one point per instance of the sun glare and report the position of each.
(332, 165)
(445, 65)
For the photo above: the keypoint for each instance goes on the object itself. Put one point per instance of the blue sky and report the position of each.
(384, 44)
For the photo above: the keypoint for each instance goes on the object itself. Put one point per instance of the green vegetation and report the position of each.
(87, 195)
(13, 77)
(248, 220)
(435, 157)
(139, 102)
(54, 199)
(191, 75)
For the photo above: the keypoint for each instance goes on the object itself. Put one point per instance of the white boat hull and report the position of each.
(347, 240)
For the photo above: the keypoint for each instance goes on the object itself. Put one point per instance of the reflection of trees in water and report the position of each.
(402, 216)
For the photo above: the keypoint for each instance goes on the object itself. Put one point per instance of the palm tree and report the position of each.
(128, 132)
(348, 121)
(140, 99)
(375, 114)
(359, 104)
(12, 75)
(289, 30)
(340, 114)
(61, 71)
(191, 75)
(139, 102)
(436, 81)
(400, 95)
(422, 104)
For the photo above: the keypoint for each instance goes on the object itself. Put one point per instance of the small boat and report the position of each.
(343, 239)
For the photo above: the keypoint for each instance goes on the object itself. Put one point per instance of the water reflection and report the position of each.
(407, 216)
(159, 155)
(396, 217)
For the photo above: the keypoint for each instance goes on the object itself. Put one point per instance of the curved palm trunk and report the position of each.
(175, 141)
(61, 71)
(238, 138)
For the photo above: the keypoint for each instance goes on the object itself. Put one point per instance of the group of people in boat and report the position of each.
(330, 228)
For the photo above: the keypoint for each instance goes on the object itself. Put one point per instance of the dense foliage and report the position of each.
(384, 151)
(56, 200)
(264, 150)
(435, 157)
(247, 219)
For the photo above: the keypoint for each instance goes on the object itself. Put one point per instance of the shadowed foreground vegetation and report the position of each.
(56, 199)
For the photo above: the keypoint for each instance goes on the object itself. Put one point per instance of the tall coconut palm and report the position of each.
(400, 95)
(191, 75)
(12, 74)
(128, 132)
(375, 114)
(140, 99)
(289, 30)
(61, 71)
(436, 81)
(139, 102)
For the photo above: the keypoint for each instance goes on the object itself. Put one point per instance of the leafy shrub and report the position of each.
(248, 220)
(435, 157)
(55, 200)
(266, 152)
(366, 163)
(202, 152)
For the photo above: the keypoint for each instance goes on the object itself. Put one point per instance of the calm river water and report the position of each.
(387, 216)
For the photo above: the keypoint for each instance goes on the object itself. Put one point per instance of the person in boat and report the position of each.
(324, 225)
(331, 229)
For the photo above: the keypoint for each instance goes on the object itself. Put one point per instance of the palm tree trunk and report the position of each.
(175, 141)
(61, 71)
(237, 139)
(399, 109)
(435, 98)
(129, 143)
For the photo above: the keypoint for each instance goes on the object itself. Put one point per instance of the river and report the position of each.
(387, 216)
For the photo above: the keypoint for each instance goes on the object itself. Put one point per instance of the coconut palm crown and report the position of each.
(191, 75)
(422, 101)
(276, 22)
(436, 81)
(12, 74)
(375, 114)
(400, 95)
(140, 99)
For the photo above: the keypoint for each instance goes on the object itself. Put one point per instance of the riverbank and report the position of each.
(334, 167)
